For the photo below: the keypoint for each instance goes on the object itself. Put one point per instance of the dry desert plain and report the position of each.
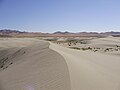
(64, 64)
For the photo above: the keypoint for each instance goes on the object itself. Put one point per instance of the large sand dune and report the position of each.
(32, 64)
(89, 70)
(29, 64)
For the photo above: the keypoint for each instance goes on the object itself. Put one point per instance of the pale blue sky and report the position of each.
(60, 15)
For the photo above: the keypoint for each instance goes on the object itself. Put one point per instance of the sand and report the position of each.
(108, 45)
(32, 64)
(29, 64)
(89, 70)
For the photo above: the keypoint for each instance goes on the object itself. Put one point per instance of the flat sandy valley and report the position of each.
(62, 64)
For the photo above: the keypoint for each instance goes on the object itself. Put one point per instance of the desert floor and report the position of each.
(33, 64)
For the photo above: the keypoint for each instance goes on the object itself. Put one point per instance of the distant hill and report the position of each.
(112, 33)
(59, 32)
(115, 34)
(8, 31)
(17, 33)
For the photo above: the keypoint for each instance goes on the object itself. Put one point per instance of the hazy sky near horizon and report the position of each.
(60, 15)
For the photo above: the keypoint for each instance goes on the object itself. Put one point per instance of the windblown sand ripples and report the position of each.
(32, 66)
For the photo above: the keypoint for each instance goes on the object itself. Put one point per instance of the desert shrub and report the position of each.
(75, 48)
(1, 66)
(95, 50)
(89, 48)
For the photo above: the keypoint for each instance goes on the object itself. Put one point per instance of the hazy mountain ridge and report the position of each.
(12, 33)
(66, 32)
(8, 31)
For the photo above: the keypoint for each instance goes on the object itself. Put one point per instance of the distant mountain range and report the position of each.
(17, 33)
(113, 33)
(66, 32)
(9, 32)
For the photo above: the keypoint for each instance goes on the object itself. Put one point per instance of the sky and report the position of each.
(60, 15)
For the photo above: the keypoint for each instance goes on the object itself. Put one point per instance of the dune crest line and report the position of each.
(89, 70)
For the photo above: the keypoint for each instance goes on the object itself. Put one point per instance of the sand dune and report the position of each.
(29, 64)
(108, 45)
(89, 70)
(32, 64)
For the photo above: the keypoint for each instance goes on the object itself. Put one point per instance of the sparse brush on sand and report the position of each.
(108, 45)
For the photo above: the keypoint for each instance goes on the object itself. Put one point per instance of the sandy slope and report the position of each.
(29, 64)
(89, 70)
(104, 42)
(107, 45)
(34, 66)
